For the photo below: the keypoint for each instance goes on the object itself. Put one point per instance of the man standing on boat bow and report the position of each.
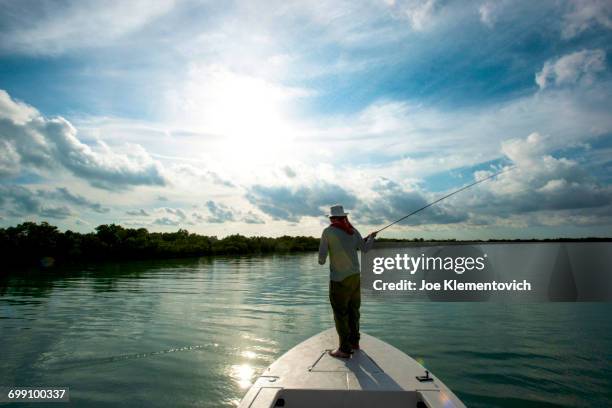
(341, 240)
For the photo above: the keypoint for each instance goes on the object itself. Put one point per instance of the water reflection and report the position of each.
(198, 332)
(243, 375)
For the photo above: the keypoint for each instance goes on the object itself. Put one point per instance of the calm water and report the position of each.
(196, 332)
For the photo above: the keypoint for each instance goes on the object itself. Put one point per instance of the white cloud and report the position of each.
(169, 217)
(419, 14)
(291, 203)
(540, 186)
(62, 194)
(199, 174)
(177, 212)
(586, 14)
(15, 111)
(219, 213)
(8, 158)
(34, 143)
(525, 152)
(166, 222)
(539, 183)
(489, 12)
(53, 28)
(401, 140)
(138, 213)
(390, 200)
(580, 66)
(20, 201)
(252, 218)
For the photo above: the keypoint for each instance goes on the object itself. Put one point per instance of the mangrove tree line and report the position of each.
(31, 244)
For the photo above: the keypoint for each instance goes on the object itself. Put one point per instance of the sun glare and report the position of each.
(243, 374)
(248, 116)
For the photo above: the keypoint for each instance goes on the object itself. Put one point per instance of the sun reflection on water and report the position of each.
(249, 354)
(243, 374)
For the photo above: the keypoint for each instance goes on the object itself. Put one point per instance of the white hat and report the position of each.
(337, 211)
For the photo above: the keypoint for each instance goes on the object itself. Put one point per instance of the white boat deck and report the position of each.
(378, 375)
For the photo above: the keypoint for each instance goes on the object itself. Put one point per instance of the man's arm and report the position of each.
(366, 244)
(369, 242)
(323, 249)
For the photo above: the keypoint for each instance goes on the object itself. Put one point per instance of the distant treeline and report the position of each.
(32, 244)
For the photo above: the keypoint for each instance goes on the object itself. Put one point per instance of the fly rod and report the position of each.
(446, 196)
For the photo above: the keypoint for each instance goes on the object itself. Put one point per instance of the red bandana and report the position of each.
(344, 224)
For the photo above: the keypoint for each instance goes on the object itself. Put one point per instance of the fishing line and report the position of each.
(446, 196)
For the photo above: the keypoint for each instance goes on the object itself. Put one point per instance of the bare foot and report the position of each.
(339, 354)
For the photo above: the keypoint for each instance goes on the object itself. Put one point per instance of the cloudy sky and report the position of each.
(253, 117)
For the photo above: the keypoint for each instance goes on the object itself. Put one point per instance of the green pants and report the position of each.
(345, 298)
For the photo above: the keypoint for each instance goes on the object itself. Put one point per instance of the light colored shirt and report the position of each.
(342, 249)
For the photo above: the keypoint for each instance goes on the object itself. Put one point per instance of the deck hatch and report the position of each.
(359, 362)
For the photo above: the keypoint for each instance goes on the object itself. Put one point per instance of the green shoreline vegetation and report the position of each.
(30, 244)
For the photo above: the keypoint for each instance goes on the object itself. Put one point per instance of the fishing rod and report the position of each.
(446, 196)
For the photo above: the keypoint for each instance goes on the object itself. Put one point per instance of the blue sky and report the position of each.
(254, 117)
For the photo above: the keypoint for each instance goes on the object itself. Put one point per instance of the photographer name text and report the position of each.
(450, 285)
